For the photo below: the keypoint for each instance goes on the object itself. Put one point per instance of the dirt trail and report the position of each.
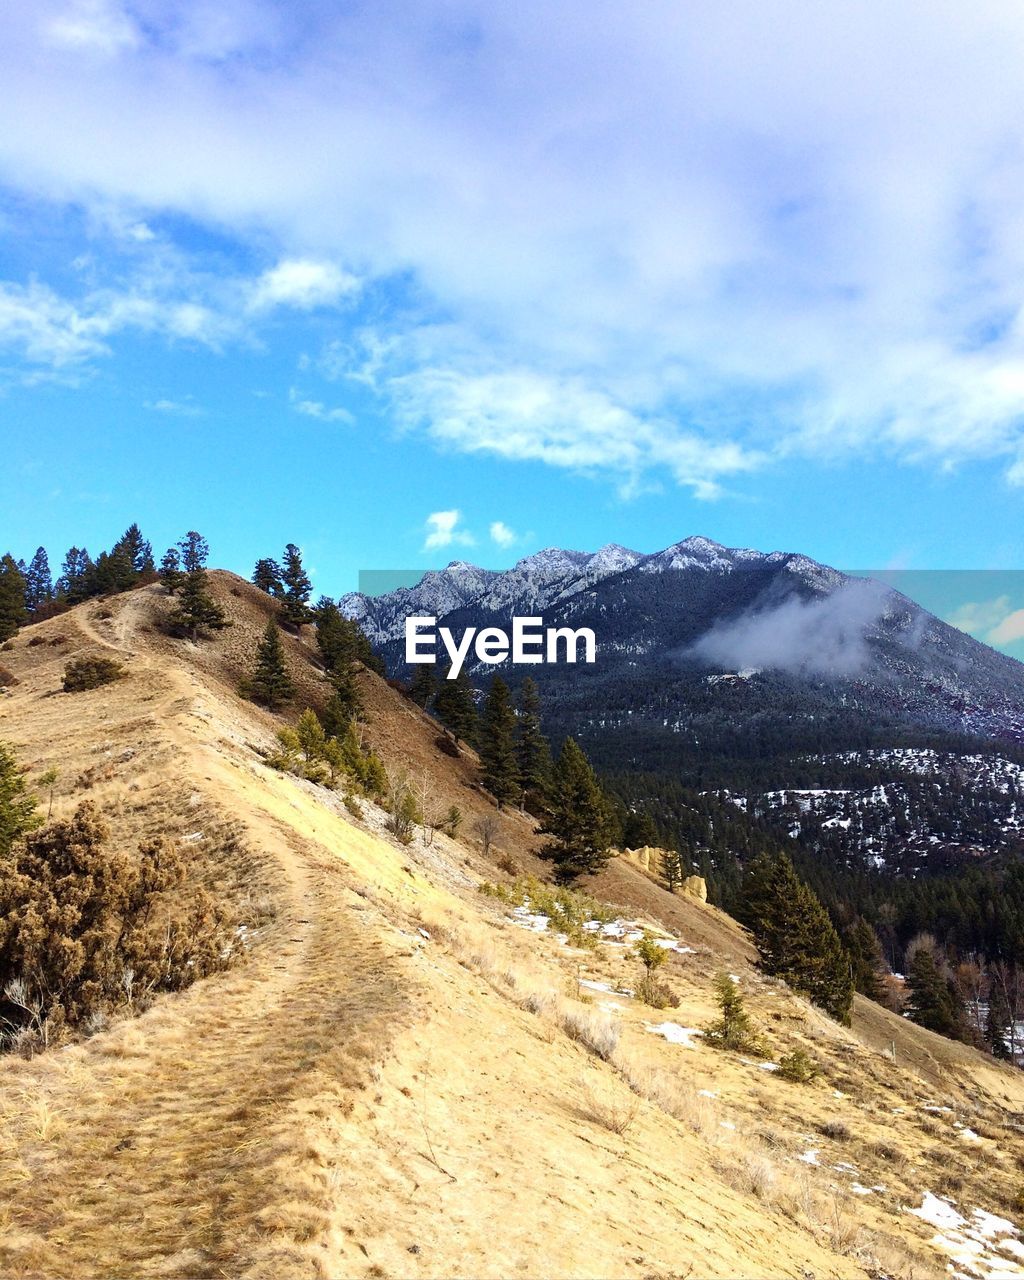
(185, 1142)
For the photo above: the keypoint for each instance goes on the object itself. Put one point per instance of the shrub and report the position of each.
(90, 673)
(593, 1028)
(452, 821)
(85, 928)
(7, 679)
(798, 1067)
(653, 992)
(353, 805)
(834, 1129)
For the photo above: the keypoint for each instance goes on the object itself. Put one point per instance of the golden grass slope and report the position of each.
(397, 1081)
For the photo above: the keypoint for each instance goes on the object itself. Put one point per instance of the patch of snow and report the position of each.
(768, 1066)
(810, 1157)
(674, 1033)
(707, 1093)
(938, 1213)
(968, 1135)
(858, 1190)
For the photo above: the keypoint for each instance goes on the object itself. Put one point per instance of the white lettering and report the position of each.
(413, 640)
(572, 639)
(457, 652)
(492, 645)
(521, 638)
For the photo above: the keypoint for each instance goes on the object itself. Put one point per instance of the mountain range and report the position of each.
(761, 675)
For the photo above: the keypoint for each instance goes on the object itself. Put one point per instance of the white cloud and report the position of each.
(978, 617)
(303, 284)
(502, 534)
(96, 25)
(728, 233)
(1009, 630)
(316, 409)
(442, 531)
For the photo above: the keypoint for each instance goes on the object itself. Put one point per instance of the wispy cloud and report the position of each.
(175, 408)
(317, 409)
(443, 531)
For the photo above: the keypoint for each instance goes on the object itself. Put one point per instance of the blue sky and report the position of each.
(410, 282)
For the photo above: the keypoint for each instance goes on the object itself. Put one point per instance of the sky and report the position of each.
(408, 282)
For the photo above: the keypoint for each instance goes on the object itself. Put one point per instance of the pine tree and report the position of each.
(197, 610)
(578, 818)
(532, 749)
(498, 745)
(17, 804)
(195, 551)
(311, 735)
(341, 640)
(170, 570)
(345, 704)
(866, 958)
(997, 1022)
(12, 598)
(733, 1029)
(424, 685)
(74, 575)
(136, 550)
(933, 1002)
(38, 582)
(455, 708)
(794, 935)
(270, 683)
(672, 868)
(296, 588)
(267, 576)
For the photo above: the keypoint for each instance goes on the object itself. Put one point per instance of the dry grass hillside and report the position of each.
(405, 1077)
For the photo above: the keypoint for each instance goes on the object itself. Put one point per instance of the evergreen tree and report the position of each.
(733, 1029)
(267, 576)
(170, 570)
(197, 610)
(532, 749)
(578, 818)
(136, 550)
(455, 708)
(195, 551)
(270, 683)
(345, 704)
(997, 1022)
(794, 935)
(341, 640)
(638, 830)
(672, 868)
(12, 598)
(866, 958)
(296, 588)
(498, 744)
(38, 582)
(933, 1001)
(17, 804)
(74, 575)
(424, 685)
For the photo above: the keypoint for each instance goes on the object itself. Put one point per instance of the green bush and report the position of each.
(798, 1067)
(90, 673)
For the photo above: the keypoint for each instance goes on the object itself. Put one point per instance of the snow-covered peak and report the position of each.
(693, 553)
(613, 559)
